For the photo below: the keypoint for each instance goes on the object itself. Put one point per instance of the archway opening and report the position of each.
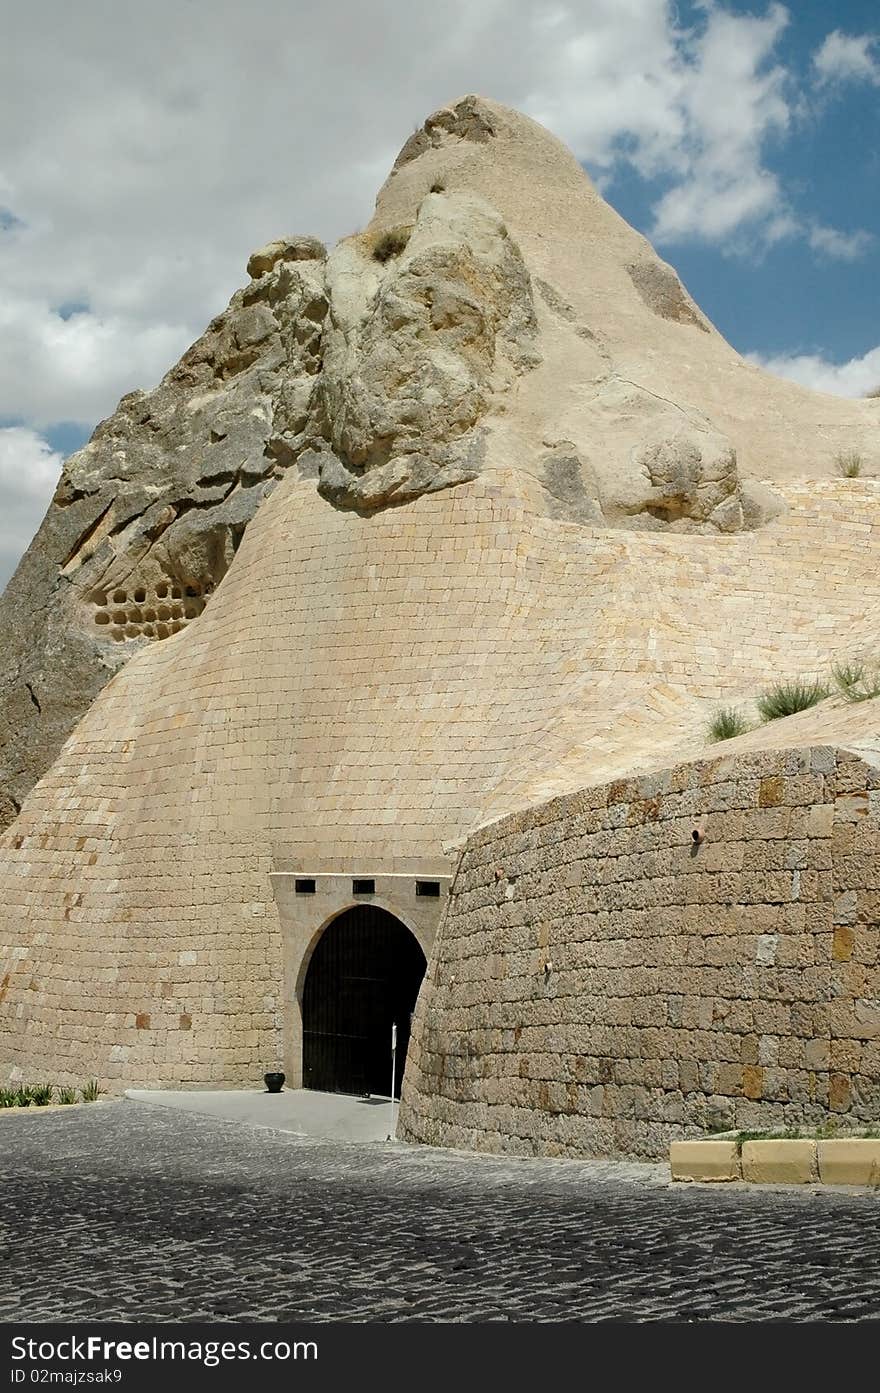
(364, 977)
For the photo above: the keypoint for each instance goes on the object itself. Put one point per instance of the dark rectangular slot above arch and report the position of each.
(431, 888)
(305, 887)
(363, 887)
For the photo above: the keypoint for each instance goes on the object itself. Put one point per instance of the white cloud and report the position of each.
(856, 378)
(711, 205)
(847, 58)
(841, 246)
(29, 471)
(611, 81)
(75, 369)
(696, 107)
(733, 101)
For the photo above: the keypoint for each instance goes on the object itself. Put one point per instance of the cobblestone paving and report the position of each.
(130, 1212)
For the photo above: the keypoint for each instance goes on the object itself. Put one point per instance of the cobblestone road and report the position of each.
(132, 1212)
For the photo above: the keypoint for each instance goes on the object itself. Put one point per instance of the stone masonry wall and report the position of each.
(357, 695)
(602, 984)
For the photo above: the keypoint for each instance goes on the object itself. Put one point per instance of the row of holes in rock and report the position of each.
(165, 590)
(155, 613)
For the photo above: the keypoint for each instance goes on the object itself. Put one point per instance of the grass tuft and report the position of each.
(726, 723)
(847, 676)
(856, 681)
(848, 464)
(786, 698)
(91, 1091)
(38, 1095)
(391, 243)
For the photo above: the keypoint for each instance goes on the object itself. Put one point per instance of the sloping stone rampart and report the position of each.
(603, 983)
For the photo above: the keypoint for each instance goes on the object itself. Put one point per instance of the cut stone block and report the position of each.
(779, 1162)
(704, 1160)
(853, 1161)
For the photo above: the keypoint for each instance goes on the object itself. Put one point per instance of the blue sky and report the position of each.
(145, 150)
(787, 299)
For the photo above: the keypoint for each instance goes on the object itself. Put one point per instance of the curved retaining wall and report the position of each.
(601, 984)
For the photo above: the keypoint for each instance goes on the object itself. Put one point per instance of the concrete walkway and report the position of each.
(300, 1110)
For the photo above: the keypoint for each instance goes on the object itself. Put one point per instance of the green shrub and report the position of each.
(848, 463)
(727, 723)
(66, 1095)
(91, 1091)
(391, 243)
(785, 698)
(22, 1097)
(847, 675)
(41, 1094)
(856, 681)
(8, 1097)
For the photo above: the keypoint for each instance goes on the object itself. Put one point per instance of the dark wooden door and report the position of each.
(364, 975)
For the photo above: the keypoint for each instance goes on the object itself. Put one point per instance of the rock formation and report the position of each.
(474, 511)
(147, 517)
(429, 321)
(383, 370)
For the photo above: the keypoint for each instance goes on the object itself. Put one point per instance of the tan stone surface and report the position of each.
(704, 1160)
(849, 1161)
(607, 354)
(618, 987)
(370, 684)
(495, 315)
(779, 1162)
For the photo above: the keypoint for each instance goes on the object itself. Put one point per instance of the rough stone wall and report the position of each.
(604, 984)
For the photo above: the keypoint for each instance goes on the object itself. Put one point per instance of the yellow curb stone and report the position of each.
(779, 1162)
(704, 1160)
(853, 1161)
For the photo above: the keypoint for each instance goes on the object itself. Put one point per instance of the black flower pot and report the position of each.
(274, 1082)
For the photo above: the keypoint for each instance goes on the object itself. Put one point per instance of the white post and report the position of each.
(393, 1072)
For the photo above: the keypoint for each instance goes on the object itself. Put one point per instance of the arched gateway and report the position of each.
(364, 976)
